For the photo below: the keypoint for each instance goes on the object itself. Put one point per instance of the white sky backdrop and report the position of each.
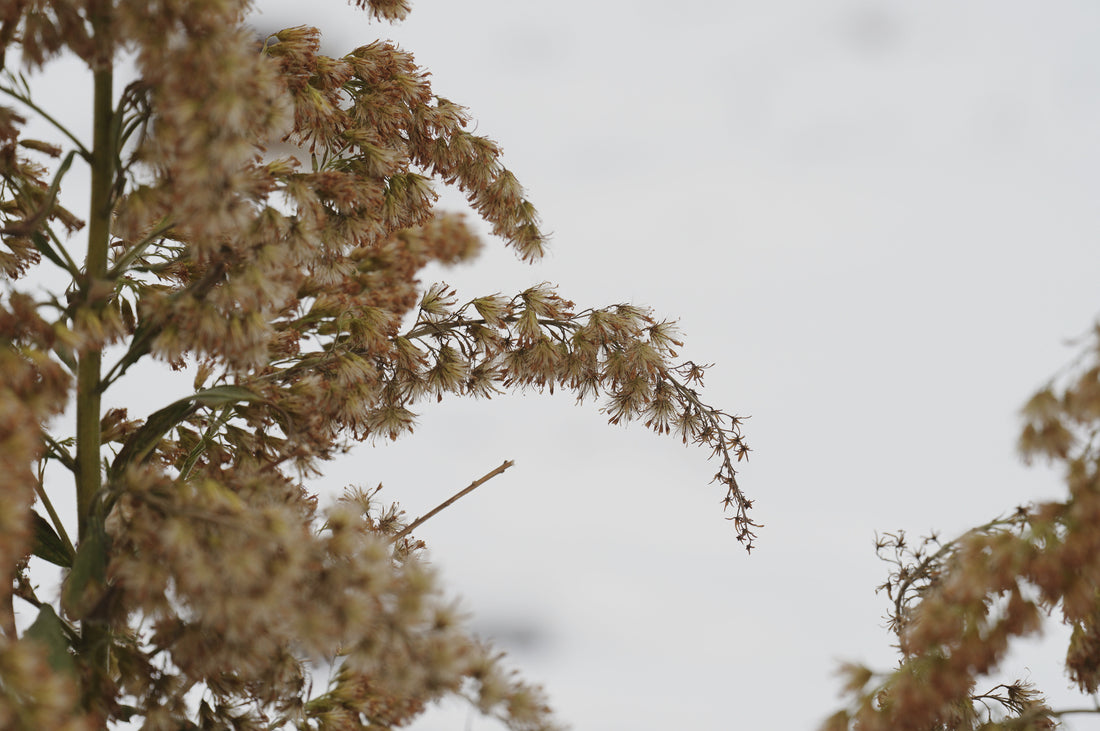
(877, 218)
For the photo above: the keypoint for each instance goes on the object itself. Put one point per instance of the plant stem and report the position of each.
(452, 499)
(95, 634)
(88, 473)
(26, 99)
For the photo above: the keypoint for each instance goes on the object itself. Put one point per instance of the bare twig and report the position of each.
(453, 499)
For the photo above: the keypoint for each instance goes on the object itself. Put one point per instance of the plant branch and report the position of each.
(921, 571)
(25, 591)
(207, 440)
(1072, 711)
(453, 499)
(147, 331)
(139, 248)
(57, 524)
(28, 226)
(70, 264)
(26, 100)
(58, 452)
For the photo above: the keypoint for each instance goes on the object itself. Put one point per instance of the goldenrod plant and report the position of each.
(259, 216)
(958, 606)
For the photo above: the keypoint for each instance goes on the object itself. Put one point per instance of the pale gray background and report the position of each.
(878, 219)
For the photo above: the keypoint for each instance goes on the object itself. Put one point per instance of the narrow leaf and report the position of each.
(142, 442)
(65, 355)
(63, 168)
(222, 395)
(48, 545)
(43, 245)
(48, 630)
(87, 582)
(145, 439)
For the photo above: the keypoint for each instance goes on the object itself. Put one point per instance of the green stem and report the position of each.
(88, 473)
(95, 632)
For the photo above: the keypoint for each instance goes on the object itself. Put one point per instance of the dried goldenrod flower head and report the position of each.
(958, 605)
(261, 214)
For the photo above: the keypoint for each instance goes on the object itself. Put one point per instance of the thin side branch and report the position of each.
(57, 524)
(26, 99)
(453, 499)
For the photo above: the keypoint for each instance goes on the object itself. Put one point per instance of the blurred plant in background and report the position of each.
(204, 580)
(958, 605)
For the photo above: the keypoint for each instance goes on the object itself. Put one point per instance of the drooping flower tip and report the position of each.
(385, 9)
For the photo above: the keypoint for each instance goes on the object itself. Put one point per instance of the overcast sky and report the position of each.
(878, 220)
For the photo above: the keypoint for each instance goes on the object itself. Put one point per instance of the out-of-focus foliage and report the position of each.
(958, 605)
(260, 213)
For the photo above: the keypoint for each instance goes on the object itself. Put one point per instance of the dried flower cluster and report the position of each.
(958, 605)
(204, 584)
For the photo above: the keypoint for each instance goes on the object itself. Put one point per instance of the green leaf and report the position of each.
(87, 582)
(222, 395)
(145, 439)
(43, 245)
(142, 442)
(48, 545)
(65, 355)
(57, 450)
(49, 630)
